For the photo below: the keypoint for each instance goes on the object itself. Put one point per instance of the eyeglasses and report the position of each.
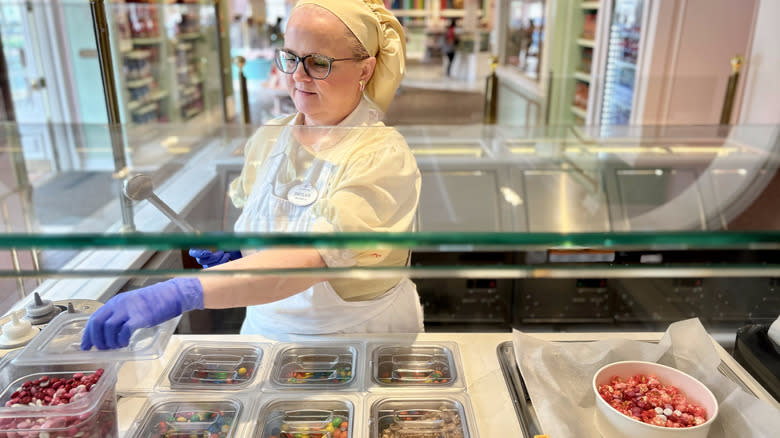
(317, 66)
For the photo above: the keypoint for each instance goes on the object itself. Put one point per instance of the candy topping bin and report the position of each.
(189, 418)
(413, 365)
(320, 367)
(215, 366)
(92, 414)
(310, 418)
(433, 417)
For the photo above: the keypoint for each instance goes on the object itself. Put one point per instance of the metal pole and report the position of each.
(731, 90)
(240, 61)
(222, 82)
(491, 94)
(100, 26)
(548, 99)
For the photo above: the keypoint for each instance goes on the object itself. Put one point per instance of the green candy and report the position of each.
(337, 421)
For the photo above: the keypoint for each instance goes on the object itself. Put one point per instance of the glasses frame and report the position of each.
(301, 60)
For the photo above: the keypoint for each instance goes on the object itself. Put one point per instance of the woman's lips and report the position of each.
(305, 93)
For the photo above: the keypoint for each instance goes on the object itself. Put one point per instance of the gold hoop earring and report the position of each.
(362, 85)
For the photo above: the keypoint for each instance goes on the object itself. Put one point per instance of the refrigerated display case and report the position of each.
(165, 55)
(662, 62)
(622, 58)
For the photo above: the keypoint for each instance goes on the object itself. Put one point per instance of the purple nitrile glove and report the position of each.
(208, 259)
(114, 322)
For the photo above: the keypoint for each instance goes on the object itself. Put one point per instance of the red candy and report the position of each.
(52, 391)
(646, 399)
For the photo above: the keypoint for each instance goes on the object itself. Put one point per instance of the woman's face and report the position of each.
(324, 101)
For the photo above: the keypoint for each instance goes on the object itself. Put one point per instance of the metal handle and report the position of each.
(240, 61)
(140, 187)
(731, 90)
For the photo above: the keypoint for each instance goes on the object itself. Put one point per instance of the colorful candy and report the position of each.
(336, 428)
(340, 374)
(198, 424)
(235, 376)
(646, 399)
(208, 366)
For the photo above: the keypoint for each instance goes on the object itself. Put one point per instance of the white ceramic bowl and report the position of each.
(613, 424)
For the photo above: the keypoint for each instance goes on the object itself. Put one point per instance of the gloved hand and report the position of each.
(208, 259)
(113, 323)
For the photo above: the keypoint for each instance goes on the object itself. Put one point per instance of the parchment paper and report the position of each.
(558, 376)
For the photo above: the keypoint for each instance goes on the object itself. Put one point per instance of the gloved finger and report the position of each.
(212, 257)
(123, 337)
(223, 258)
(86, 341)
(95, 326)
(197, 252)
(112, 327)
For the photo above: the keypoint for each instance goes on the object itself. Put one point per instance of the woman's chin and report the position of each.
(305, 104)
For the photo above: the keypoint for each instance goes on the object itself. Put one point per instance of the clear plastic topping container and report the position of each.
(57, 400)
(306, 418)
(315, 367)
(61, 342)
(413, 366)
(185, 419)
(213, 367)
(418, 418)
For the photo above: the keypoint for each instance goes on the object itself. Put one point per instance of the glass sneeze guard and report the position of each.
(580, 191)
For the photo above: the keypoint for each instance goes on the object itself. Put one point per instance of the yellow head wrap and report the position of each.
(382, 36)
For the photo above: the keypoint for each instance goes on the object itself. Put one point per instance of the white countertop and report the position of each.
(484, 382)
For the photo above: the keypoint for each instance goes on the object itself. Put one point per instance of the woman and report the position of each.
(343, 60)
(450, 44)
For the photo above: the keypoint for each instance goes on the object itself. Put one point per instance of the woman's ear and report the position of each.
(368, 68)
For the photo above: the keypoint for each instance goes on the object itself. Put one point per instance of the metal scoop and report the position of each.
(140, 187)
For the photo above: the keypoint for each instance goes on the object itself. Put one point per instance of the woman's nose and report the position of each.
(300, 74)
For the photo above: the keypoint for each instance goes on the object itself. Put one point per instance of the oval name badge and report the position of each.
(302, 195)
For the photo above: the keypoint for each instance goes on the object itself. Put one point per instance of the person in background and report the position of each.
(450, 44)
(275, 33)
(309, 172)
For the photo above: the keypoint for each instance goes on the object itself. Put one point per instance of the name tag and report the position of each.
(302, 195)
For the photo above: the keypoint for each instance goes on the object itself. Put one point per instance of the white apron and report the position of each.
(319, 309)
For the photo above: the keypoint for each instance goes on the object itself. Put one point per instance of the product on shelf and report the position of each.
(586, 60)
(581, 95)
(189, 20)
(589, 25)
(143, 19)
(137, 65)
(146, 114)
